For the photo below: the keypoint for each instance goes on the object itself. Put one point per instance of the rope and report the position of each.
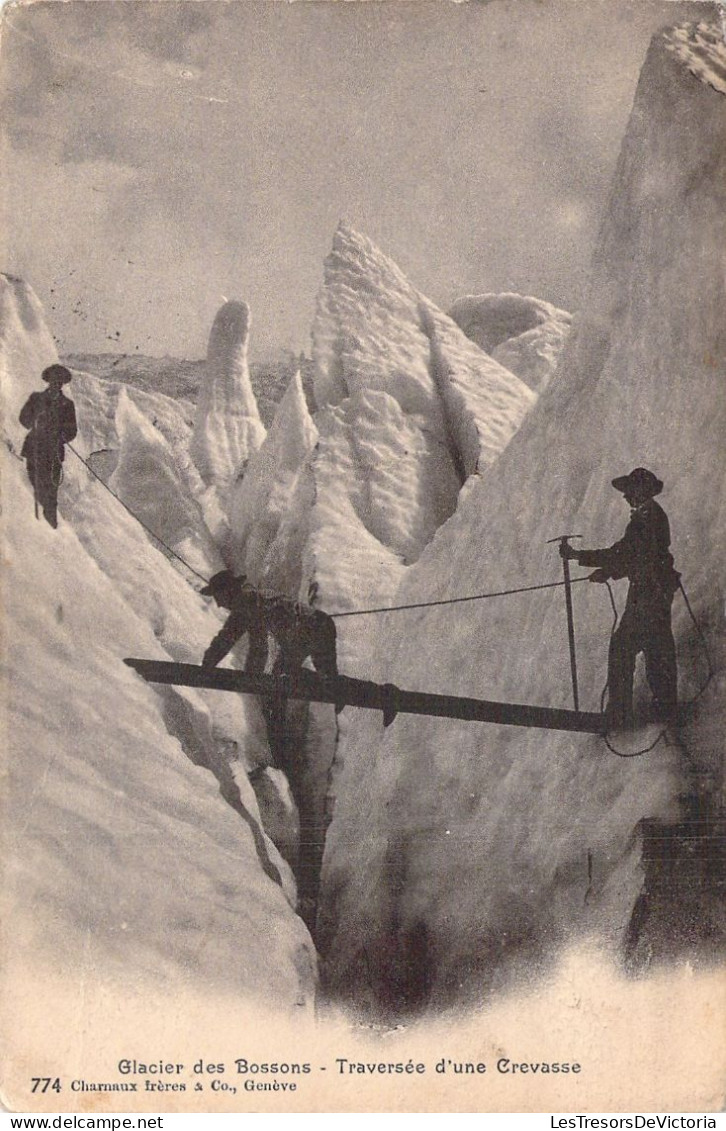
(455, 600)
(635, 753)
(135, 516)
(704, 642)
(350, 612)
(664, 733)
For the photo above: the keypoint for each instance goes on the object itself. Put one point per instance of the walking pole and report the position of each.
(35, 471)
(563, 541)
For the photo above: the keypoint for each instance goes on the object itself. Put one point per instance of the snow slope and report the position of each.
(458, 851)
(127, 861)
(26, 349)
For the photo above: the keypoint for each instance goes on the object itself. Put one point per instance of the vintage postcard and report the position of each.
(363, 530)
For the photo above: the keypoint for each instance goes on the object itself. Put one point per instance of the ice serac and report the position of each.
(96, 401)
(227, 427)
(148, 481)
(261, 499)
(485, 403)
(372, 362)
(123, 864)
(374, 332)
(525, 334)
(407, 408)
(459, 853)
(333, 508)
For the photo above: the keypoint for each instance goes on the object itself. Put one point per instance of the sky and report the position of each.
(162, 156)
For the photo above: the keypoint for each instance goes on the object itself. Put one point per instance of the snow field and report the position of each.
(124, 861)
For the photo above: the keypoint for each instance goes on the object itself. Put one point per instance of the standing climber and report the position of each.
(643, 556)
(51, 419)
(247, 616)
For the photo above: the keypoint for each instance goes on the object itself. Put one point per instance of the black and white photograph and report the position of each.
(363, 389)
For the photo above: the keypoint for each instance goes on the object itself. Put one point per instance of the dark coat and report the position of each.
(300, 631)
(51, 421)
(642, 555)
(247, 615)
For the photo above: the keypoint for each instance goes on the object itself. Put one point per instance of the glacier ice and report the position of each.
(123, 860)
(227, 425)
(526, 335)
(471, 852)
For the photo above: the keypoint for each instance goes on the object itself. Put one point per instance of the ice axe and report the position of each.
(563, 541)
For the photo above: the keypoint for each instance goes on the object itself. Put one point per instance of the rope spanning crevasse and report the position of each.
(349, 612)
(457, 601)
(135, 516)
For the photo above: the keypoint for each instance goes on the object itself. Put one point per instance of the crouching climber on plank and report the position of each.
(643, 556)
(247, 616)
(299, 630)
(50, 418)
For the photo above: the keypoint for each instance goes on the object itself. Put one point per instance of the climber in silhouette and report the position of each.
(50, 418)
(247, 616)
(643, 556)
(299, 630)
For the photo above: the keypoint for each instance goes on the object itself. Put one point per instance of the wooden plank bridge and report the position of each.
(345, 691)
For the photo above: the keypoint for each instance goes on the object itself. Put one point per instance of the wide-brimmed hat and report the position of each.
(644, 482)
(58, 374)
(222, 581)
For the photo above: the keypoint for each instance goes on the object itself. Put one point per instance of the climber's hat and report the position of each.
(56, 375)
(645, 482)
(222, 582)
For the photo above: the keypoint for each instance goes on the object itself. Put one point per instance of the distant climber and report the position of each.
(643, 556)
(51, 419)
(247, 616)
